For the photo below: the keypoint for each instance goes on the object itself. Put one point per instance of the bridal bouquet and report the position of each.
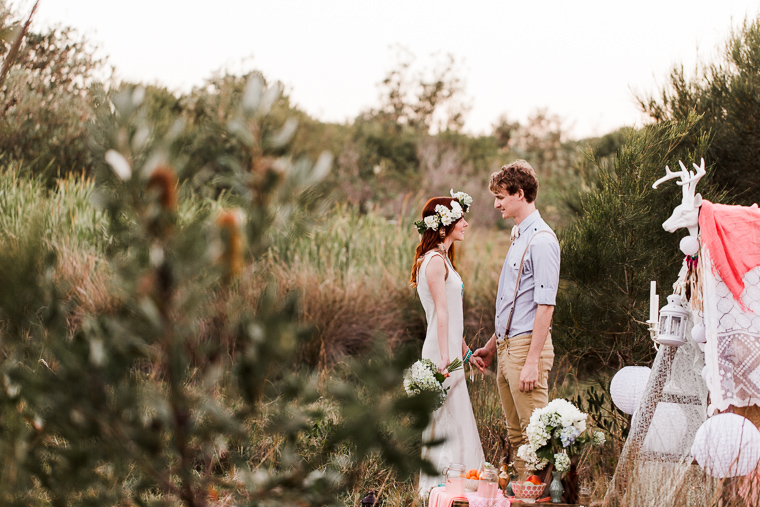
(555, 433)
(424, 376)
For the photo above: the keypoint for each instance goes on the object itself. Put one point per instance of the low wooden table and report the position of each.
(544, 504)
(439, 498)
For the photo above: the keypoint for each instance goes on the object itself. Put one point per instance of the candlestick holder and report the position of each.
(654, 329)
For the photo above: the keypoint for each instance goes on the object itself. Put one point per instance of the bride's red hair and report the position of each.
(431, 239)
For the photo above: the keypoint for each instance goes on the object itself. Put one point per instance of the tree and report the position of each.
(725, 96)
(428, 99)
(617, 246)
(382, 156)
(45, 104)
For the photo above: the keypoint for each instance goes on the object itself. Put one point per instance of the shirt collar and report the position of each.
(529, 220)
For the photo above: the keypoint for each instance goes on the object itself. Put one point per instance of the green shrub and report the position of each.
(618, 245)
(138, 402)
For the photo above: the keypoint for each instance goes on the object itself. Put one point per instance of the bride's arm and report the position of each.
(435, 272)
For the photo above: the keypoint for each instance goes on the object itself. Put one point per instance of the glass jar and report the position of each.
(503, 479)
(489, 482)
(584, 496)
(454, 479)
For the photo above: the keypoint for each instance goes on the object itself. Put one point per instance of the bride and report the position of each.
(440, 289)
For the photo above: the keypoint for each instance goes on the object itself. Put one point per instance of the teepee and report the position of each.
(716, 369)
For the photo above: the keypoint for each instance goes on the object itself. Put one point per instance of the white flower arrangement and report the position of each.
(445, 216)
(556, 432)
(423, 376)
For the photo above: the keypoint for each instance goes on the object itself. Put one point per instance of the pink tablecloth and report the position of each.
(439, 498)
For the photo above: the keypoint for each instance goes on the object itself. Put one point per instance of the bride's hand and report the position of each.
(443, 365)
(478, 362)
(482, 358)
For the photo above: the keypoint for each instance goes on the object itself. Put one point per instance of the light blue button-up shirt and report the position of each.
(539, 280)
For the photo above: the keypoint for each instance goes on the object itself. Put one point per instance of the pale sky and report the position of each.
(581, 59)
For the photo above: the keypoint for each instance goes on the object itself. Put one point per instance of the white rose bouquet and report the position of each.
(555, 433)
(424, 376)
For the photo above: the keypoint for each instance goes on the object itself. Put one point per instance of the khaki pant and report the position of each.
(518, 405)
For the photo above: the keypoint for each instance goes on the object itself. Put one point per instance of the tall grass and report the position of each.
(352, 277)
(66, 215)
(350, 274)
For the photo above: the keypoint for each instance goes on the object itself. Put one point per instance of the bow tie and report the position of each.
(515, 233)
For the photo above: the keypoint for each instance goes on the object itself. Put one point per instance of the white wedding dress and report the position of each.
(455, 420)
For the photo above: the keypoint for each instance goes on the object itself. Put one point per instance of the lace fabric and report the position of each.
(655, 465)
(732, 351)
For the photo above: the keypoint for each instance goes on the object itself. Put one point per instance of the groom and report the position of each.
(522, 339)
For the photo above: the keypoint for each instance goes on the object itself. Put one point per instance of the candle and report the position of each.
(654, 302)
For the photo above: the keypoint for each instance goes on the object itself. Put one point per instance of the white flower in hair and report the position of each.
(456, 210)
(462, 197)
(445, 214)
(432, 222)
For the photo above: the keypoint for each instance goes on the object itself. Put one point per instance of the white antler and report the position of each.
(669, 175)
(693, 177)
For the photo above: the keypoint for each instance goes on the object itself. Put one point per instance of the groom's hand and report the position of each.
(529, 377)
(482, 358)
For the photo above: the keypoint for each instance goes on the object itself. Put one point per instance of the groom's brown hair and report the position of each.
(519, 175)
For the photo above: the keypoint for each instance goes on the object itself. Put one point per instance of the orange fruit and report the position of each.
(472, 471)
(534, 479)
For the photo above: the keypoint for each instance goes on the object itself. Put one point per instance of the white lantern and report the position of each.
(727, 445)
(673, 319)
(628, 386)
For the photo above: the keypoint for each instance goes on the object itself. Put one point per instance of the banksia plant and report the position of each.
(230, 242)
(138, 404)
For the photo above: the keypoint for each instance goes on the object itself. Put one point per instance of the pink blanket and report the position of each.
(732, 235)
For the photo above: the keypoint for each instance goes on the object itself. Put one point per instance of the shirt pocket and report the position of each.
(527, 266)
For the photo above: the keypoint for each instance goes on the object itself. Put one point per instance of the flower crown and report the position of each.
(445, 216)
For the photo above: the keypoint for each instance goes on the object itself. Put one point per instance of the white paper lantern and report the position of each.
(727, 445)
(668, 430)
(627, 387)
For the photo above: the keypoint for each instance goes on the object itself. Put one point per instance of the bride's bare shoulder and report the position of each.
(436, 265)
